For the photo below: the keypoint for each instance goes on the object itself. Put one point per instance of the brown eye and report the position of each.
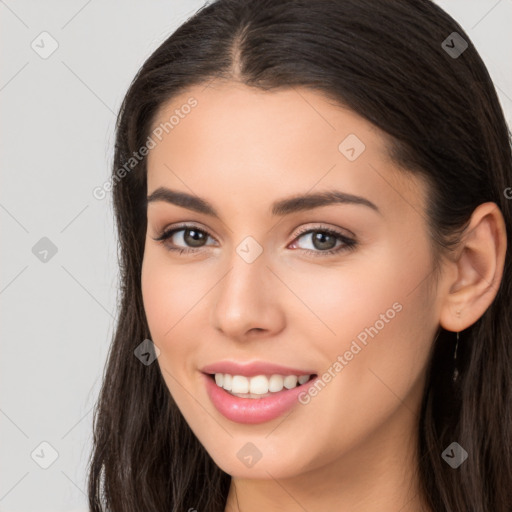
(323, 241)
(194, 237)
(184, 239)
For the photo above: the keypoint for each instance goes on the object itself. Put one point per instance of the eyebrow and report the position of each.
(297, 203)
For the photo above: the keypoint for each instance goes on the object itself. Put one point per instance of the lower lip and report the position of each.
(253, 410)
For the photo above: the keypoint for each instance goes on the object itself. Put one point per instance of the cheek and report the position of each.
(374, 312)
(169, 291)
(385, 326)
(176, 315)
(176, 311)
(345, 299)
(378, 348)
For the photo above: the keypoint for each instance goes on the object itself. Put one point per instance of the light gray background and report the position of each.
(57, 120)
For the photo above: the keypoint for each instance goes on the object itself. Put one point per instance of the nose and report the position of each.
(247, 301)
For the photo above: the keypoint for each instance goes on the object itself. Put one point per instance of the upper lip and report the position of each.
(253, 368)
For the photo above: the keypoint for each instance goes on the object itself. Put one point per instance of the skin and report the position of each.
(352, 447)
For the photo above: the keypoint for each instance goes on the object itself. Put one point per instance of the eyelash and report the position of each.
(348, 244)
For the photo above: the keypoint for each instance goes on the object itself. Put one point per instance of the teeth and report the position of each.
(258, 385)
(303, 379)
(275, 383)
(290, 381)
(240, 384)
(226, 381)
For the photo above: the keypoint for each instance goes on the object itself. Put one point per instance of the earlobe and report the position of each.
(479, 269)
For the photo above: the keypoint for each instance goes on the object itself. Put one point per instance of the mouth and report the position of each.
(248, 407)
(259, 386)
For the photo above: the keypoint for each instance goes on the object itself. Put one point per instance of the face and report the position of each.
(339, 289)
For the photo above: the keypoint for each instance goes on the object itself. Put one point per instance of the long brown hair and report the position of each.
(385, 60)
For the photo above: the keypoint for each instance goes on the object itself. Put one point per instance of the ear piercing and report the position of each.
(456, 371)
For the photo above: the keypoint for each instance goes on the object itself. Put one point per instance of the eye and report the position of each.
(189, 234)
(323, 241)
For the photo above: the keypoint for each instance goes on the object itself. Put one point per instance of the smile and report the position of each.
(255, 407)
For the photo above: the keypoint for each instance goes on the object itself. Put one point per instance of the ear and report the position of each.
(476, 272)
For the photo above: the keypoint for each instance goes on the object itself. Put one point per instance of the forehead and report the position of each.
(233, 116)
(236, 138)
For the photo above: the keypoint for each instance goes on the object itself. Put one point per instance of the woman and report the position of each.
(313, 221)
